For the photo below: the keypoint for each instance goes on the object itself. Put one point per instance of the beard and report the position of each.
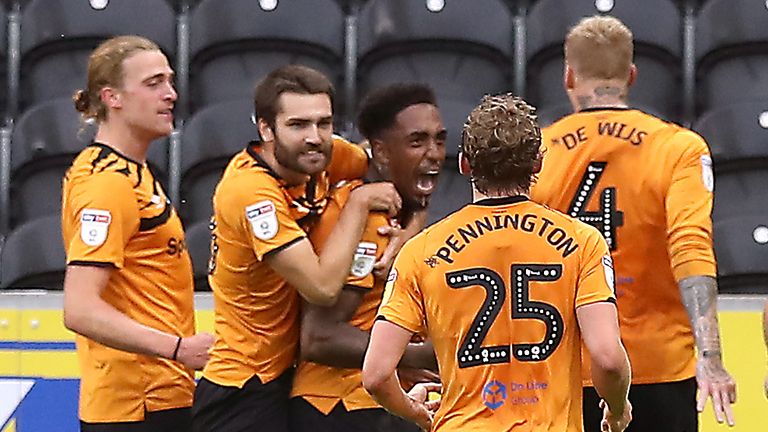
(296, 159)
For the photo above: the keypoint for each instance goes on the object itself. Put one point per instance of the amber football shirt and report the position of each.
(255, 213)
(325, 386)
(646, 184)
(495, 286)
(116, 214)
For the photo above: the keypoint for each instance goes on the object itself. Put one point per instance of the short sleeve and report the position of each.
(403, 302)
(260, 209)
(596, 281)
(105, 215)
(369, 250)
(348, 161)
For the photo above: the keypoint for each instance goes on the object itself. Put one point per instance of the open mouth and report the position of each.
(427, 182)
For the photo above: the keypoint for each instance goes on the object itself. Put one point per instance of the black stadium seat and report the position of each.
(58, 35)
(732, 52)
(210, 139)
(461, 58)
(33, 255)
(657, 50)
(234, 43)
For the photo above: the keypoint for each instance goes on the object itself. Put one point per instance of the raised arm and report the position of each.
(319, 278)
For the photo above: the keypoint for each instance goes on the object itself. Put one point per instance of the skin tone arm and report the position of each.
(700, 299)
(319, 279)
(610, 366)
(328, 338)
(388, 343)
(87, 314)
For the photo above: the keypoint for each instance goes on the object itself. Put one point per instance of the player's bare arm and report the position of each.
(611, 373)
(388, 343)
(319, 279)
(699, 295)
(87, 314)
(328, 338)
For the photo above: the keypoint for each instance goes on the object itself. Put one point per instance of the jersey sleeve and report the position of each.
(370, 247)
(403, 303)
(348, 161)
(105, 217)
(369, 250)
(688, 208)
(260, 209)
(596, 281)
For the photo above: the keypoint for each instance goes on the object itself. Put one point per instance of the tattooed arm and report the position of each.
(700, 298)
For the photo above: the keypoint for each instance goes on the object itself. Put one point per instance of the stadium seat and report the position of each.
(236, 42)
(33, 255)
(657, 50)
(45, 140)
(58, 35)
(740, 191)
(209, 140)
(4, 62)
(741, 248)
(199, 247)
(731, 52)
(453, 192)
(737, 135)
(461, 58)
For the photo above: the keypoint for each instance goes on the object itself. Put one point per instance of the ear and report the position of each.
(632, 75)
(265, 130)
(464, 167)
(569, 80)
(380, 152)
(110, 98)
(538, 163)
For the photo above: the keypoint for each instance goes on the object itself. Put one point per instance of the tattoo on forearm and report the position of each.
(700, 299)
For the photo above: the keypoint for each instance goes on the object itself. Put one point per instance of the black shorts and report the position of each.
(306, 418)
(664, 407)
(172, 420)
(255, 407)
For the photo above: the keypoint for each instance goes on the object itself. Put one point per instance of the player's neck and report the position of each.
(124, 140)
(599, 94)
(478, 196)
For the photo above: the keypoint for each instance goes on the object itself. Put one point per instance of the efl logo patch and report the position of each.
(610, 277)
(365, 257)
(706, 173)
(263, 219)
(94, 226)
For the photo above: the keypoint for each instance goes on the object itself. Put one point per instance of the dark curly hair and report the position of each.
(380, 107)
(502, 142)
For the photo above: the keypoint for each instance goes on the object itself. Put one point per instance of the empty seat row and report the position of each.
(225, 45)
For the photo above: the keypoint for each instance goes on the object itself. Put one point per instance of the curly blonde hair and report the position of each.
(502, 142)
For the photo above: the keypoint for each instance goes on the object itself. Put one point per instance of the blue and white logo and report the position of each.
(494, 394)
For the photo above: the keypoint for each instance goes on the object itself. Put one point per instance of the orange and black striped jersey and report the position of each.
(496, 286)
(325, 386)
(647, 186)
(255, 214)
(116, 214)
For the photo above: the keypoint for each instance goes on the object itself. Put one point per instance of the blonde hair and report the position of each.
(105, 69)
(502, 142)
(599, 47)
